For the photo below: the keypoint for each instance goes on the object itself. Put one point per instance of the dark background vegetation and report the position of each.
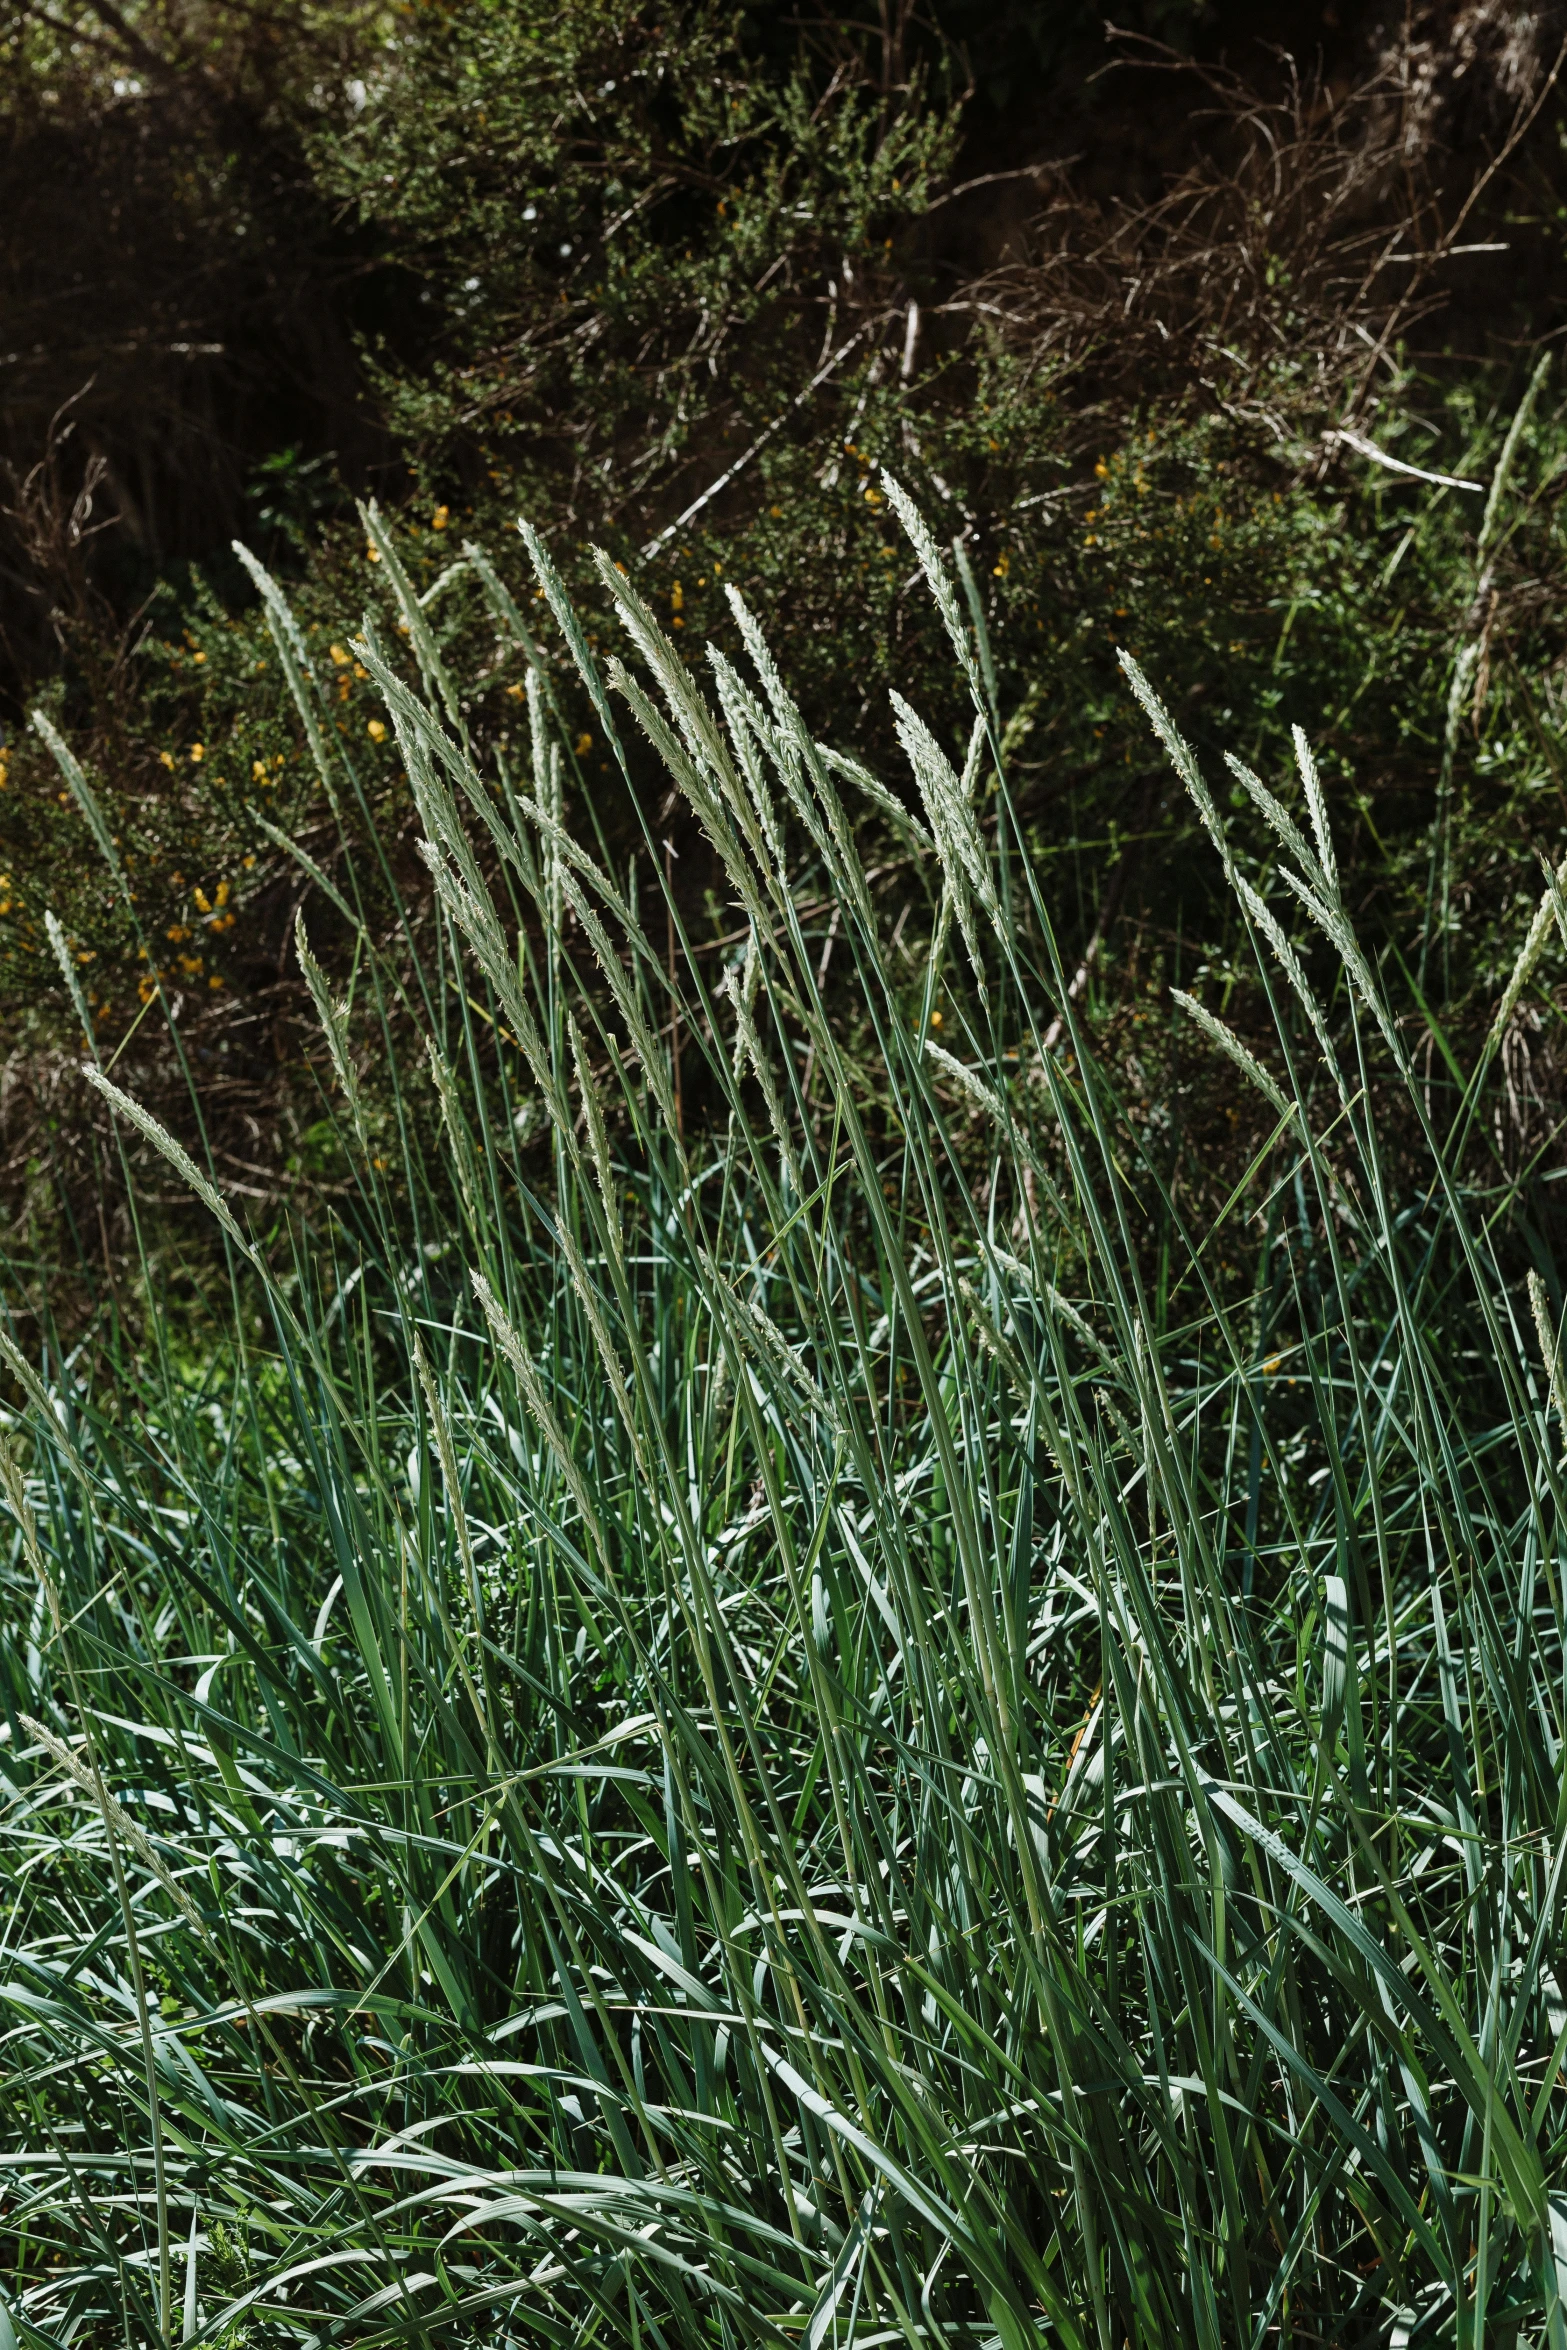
(1103, 298)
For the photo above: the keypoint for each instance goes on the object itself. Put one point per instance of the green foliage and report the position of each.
(835, 1717)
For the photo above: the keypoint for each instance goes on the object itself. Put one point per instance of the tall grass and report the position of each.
(815, 1728)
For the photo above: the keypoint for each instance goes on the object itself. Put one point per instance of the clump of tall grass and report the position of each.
(766, 1741)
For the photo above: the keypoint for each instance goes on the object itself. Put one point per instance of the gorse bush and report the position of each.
(811, 1727)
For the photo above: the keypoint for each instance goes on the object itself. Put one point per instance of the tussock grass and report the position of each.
(767, 1741)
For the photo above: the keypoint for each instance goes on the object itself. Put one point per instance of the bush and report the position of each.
(831, 1716)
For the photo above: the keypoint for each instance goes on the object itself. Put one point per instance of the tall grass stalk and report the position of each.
(823, 1724)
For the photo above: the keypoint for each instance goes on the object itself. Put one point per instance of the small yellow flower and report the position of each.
(198, 752)
(440, 518)
(371, 556)
(167, 757)
(376, 731)
(340, 655)
(258, 771)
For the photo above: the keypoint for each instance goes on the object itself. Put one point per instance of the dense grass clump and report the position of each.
(821, 1723)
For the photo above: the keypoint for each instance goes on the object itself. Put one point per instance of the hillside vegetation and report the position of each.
(782, 1386)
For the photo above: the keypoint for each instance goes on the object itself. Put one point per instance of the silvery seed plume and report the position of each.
(745, 717)
(294, 661)
(61, 947)
(1336, 928)
(1267, 922)
(704, 743)
(939, 579)
(475, 920)
(278, 608)
(1228, 1042)
(1550, 1352)
(1523, 970)
(1556, 891)
(180, 1160)
(655, 1068)
(993, 1340)
(748, 1047)
(598, 1138)
(571, 628)
(948, 820)
(786, 716)
(709, 810)
(332, 1016)
(539, 744)
(1182, 757)
(947, 801)
(796, 757)
(968, 781)
(438, 811)
(426, 747)
(995, 1108)
(907, 827)
(853, 884)
(749, 732)
(438, 678)
(81, 791)
(743, 986)
(1316, 802)
(969, 1079)
(50, 1410)
(1280, 819)
(503, 604)
(565, 844)
(458, 1139)
(760, 1337)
